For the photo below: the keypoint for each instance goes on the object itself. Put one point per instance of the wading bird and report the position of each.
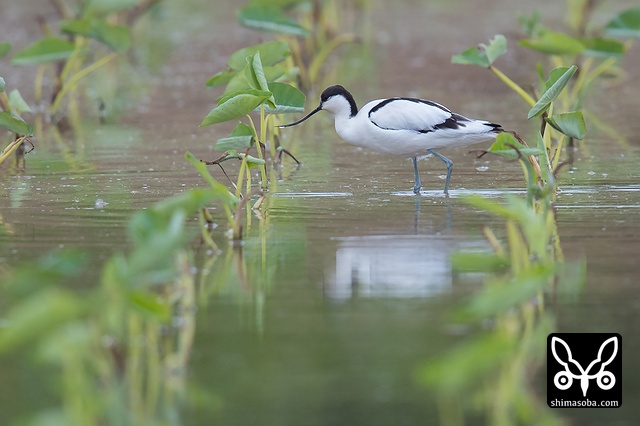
(402, 126)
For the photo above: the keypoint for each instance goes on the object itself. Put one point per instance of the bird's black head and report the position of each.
(338, 90)
(327, 94)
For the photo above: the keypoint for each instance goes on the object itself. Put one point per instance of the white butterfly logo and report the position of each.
(564, 379)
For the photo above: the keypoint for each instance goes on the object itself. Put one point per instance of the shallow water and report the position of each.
(360, 278)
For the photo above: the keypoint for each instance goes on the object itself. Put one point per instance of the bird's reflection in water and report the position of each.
(392, 266)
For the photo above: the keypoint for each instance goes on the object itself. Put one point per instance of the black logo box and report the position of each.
(585, 370)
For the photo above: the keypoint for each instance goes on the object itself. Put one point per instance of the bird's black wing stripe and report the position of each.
(386, 101)
(454, 122)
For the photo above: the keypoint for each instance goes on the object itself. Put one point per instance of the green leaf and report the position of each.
(150, 304)
(479, 262)
(5, 48)
(242, 137)
(48, 49)
(287, 99)
(40, 314)
(14, 123)
(570, 123)
(117, 37)
(17, 103)
(221, 78)
(271, 19)
(102, 7)
(483, 55)
(552, 92)
(270, 54)
(254, 73)
(235, 106)
(602, 47)
(506, 144)
(2, 84)
(554, 75)
(498, 297)
(553, 43)
(626, 24)
(465, 365)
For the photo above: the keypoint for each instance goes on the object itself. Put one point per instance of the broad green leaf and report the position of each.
(492, 206)
(221, 78)
(235, 106)
(239, 82)
(498, 297)
(14, 123)
(150, 305)
(531, 24)
(254, 73)
(602, 47)
(553, 43)
(17, 103)
(48, 49)
(270, 54)
(483, 55)
(38, 315)
(271, 19)
(117, 37)
(287, 99)
(242, 137)
(552, 92)
(479, 262)
(465, 365)
(507, 146)
(626, 24)
(570, 123)
(554, 75)
(4, 49)
(101, 7)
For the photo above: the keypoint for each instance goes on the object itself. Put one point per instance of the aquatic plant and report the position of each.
(121, 347)
(562, 92)
(308, 27)
(89, 36)
(491, 370)
(254, 81)
(11, 106)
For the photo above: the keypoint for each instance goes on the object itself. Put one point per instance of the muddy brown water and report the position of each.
(362, 276)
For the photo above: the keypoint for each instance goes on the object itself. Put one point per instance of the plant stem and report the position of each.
(73, 81)
(515, 87)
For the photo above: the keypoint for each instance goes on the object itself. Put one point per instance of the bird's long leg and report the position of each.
(418, 185)
(449, 164)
